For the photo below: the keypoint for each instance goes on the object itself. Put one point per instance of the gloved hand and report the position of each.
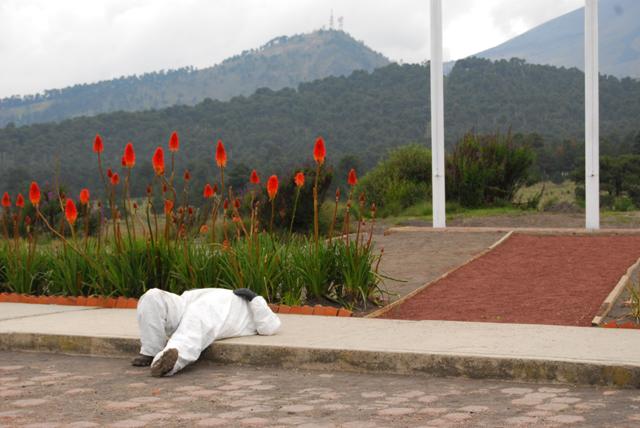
(245, 293)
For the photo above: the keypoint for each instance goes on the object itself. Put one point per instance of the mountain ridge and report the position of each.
(284, 61)
(560, 41)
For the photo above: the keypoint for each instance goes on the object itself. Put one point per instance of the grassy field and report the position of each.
(552, 194)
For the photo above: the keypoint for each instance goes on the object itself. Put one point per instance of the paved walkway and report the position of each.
(480, 350)
(45, 390)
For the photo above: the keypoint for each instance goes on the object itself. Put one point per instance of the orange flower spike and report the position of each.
(221, 155)
(129, 156)
(6, 200)
(352, 179)
(115, 179)
(98, 146)
(236, 203)
(158, 161)
(208, 191)
(187, 175)
(168, 206)
(84, 196)
(254, 179)
(319, 151)
(34, 194)
(20, 201)
(272, 187)
(70, 211)
(174, 142)
(299, 179)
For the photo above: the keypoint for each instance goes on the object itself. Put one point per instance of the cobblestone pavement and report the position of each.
(43, 390)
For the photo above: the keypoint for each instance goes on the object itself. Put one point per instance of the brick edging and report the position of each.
(132, 303)
(93, 301)
(328, 311)
(621, 324)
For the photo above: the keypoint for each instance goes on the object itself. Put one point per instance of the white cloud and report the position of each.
(51, 44)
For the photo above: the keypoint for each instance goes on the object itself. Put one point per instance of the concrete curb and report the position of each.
(405, 363)
(526, 230)
(610, 300)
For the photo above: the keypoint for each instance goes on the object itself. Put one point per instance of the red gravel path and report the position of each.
(559, 280)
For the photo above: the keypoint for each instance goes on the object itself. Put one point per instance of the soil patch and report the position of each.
(559, 280)
(420, 257)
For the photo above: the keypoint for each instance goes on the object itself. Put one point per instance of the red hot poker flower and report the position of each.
(168, 206)
(187, 175)
(98, 147)
(174, 142)
(109, 173)
(129, 156)
(70, 211)
(20, 201)
(299, 179)
(352, 179)
(84, 196)
(319, 151)
(225, 205)
(272, 187)
(215, 188)
(221, 155)
(254, 179)
(115, 179)
(34, 194)
(208, 191)
(123, 162)
(236, 203)
(6, 200)
(158, 161)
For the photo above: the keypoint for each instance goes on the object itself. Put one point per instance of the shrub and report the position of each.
(400, 180)
(487, 170)
(619, 182)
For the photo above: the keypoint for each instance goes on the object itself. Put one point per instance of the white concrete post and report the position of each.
(437, 117)
(592, 116)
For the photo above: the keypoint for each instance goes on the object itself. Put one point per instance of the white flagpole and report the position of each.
(592, 116)
(437, 117)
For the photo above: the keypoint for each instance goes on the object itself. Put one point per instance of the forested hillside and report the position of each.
(361, 117)
(283, 62)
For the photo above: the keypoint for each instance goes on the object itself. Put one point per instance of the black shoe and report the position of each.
(142, 361)
(165, 363)
(245, 293)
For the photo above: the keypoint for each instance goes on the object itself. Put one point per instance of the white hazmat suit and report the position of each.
(195, 319)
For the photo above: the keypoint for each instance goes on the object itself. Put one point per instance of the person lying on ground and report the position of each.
(193, 321)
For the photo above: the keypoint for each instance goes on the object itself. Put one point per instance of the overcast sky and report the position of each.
(55, 43)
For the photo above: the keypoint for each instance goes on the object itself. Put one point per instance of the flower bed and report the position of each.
(115, 246)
